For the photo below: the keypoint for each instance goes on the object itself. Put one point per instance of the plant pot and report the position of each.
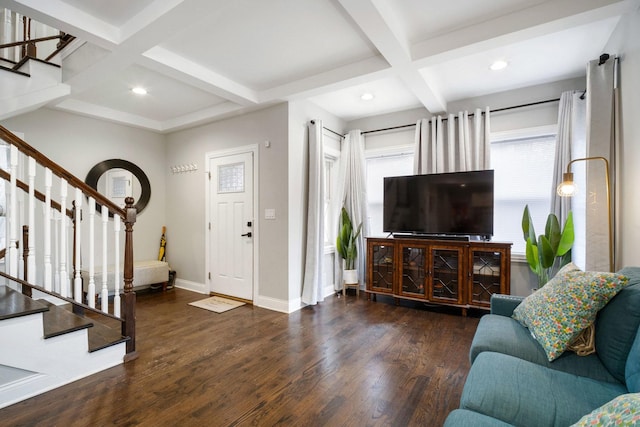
(350, 277)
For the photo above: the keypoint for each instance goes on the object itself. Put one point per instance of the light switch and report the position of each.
(269, 214)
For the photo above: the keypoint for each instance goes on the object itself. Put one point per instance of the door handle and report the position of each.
(246, 234)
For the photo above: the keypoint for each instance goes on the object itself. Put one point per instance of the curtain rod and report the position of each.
(329, 130)
(497, 110)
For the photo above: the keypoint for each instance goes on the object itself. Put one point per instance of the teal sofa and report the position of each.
(511, 381)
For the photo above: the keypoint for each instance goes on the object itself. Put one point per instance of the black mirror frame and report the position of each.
(98, 170)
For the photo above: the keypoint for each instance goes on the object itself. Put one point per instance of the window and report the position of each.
(331, 156)
(379, 165)
(523, 161)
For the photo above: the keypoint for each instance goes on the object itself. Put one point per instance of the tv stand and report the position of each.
(456, 237)
(459, 273)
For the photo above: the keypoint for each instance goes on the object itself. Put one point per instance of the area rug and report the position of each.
(217, 304)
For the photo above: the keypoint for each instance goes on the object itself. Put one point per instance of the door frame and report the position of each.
(210, 155)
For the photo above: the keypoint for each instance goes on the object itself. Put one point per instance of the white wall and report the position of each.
(185, 197)
(78, 143)
(625, 43)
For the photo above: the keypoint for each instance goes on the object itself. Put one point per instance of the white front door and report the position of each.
(232, 225)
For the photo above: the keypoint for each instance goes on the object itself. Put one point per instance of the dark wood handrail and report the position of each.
(58, 170)
(38, 195)
(22, 43)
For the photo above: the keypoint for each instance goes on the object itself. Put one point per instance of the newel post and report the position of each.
(129, 297)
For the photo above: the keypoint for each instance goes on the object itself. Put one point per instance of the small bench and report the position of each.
(145, 274)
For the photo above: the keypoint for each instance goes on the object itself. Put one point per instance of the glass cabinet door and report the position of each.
(485, 276)
(413, 271)
(446, 275)
(381, 267)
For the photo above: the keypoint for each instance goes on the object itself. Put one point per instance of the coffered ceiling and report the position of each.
(202, 60)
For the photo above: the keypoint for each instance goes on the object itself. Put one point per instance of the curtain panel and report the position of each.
(314, 261)
(462, 145)
(352, 194)
(601, 141)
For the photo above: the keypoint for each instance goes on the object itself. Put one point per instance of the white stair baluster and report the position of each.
(13, 213)
(31, 261)
(64, 278)
(57, 287)
(47, 230)
(91, 291)
(116, 264)
(104, 297)
(77, 278)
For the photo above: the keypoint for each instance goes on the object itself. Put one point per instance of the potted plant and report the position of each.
(346, 247)
(549, 252)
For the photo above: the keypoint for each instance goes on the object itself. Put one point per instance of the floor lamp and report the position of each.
(567, 188)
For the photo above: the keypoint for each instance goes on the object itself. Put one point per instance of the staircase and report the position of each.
(57, 323)
(46, 346)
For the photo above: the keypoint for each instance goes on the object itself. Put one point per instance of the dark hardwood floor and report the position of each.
(344, 362)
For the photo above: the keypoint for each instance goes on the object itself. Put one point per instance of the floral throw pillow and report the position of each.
(624, 410)
(558, 312)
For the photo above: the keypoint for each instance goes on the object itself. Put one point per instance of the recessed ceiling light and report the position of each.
(498, 65)
(139, 90)
(367, 96)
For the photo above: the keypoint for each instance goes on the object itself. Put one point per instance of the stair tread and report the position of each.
(100, 336)
(14, 304)
(59, 321)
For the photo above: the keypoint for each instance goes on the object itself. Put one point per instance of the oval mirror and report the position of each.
(118, 179)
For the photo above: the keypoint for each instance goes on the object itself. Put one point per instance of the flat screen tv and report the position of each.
(457, 204)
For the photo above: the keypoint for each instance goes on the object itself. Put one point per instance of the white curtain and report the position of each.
(570, 143)
(314, 268)
(464, 144)
(600, 142)
(351, 193)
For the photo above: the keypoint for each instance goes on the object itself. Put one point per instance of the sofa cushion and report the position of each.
(507, 336)
(617, 324)
(624, 410)
(632, 372)
(464, 418)
(568, 303)
(525, 394)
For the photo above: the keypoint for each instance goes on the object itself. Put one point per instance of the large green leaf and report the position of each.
(552, 232)
(568, 236)
(532, 257)
(547, 254)
(527, 224)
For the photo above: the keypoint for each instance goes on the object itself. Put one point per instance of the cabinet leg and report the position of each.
(464, 312)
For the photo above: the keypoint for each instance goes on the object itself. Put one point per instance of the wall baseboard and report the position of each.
(200, 288)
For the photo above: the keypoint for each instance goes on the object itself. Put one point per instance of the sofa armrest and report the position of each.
(504, 304)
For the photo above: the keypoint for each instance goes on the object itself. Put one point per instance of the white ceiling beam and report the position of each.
(16, 105)
(367, 70)
(374, 18)
(176, 66)
(201, 116)
(535, 21)
(96, 111)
